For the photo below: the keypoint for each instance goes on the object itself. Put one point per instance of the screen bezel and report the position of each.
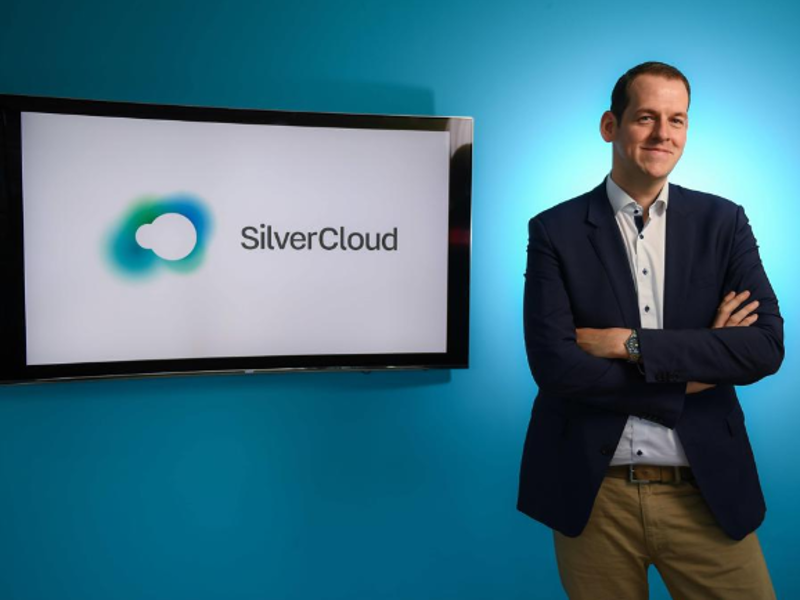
(13, 367)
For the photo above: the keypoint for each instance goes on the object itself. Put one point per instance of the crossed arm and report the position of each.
(610, 342)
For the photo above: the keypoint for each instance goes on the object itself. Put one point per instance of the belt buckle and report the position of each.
(675, 469)
(633, 479)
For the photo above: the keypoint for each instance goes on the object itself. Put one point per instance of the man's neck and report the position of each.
(643, 192)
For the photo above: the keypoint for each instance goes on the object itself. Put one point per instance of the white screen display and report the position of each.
(150, 240)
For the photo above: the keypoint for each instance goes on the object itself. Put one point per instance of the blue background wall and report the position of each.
(381, 486)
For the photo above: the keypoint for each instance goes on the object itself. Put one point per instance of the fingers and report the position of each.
(744, 317)
(695, 387)
(731, 313)
(747, 321)
(729, 303)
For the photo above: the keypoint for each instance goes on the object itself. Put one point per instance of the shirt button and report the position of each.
(641, 237)
(646, 309)
(639, 453)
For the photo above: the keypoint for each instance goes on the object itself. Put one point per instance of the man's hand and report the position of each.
(692, 387)
(744, 317)
(728, 316)
(604, 343)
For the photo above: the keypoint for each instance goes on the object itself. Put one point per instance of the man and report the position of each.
(645, 303)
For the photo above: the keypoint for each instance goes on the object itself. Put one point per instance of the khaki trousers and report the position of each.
(669, 526)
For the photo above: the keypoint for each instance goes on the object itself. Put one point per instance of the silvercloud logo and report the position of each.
(264, 237)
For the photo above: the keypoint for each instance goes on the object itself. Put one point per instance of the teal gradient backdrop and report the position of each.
(382, 486)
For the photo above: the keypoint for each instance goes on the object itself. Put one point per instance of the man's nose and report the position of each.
(661, 130)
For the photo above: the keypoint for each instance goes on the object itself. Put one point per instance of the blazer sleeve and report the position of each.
(558, 364)
(731, 355)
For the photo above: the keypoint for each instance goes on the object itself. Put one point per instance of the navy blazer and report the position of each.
(578, 275)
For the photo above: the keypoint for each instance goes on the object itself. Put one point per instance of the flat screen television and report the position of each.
(142, 239)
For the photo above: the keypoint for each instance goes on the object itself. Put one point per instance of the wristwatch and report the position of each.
(632, 346)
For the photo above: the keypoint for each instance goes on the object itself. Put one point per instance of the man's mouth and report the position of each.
(657, 150)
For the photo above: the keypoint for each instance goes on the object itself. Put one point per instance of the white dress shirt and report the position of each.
(642, 441)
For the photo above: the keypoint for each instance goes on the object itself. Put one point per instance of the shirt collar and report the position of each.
(620, 199)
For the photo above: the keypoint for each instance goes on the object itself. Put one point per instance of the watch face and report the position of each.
(632, 344)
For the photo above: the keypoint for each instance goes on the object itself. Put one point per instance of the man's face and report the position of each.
(650, 138)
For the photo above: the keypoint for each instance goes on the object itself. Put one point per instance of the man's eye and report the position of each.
(645, 119)
(678, 121)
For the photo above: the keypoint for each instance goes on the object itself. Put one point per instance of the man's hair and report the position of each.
(620, 96)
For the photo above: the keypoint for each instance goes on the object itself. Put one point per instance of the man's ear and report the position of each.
(608, 126)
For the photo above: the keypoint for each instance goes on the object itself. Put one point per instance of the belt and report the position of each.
(651, 474)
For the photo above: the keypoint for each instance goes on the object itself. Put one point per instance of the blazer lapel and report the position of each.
(680, 244)
(607, 241)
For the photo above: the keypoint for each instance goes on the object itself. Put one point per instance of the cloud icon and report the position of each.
(171, 236)
(167, 231)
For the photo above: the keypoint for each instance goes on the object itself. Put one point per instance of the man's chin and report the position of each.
(657, 174)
